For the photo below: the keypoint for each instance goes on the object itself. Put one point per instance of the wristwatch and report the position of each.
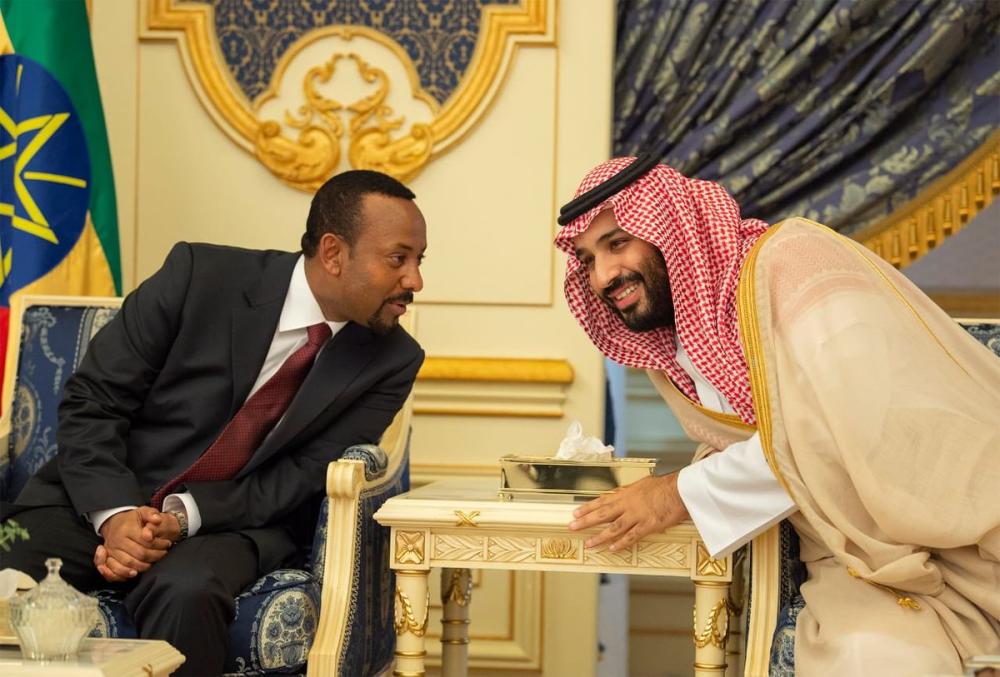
(182, 520)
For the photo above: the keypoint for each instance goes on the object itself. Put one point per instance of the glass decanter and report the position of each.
(52, 618)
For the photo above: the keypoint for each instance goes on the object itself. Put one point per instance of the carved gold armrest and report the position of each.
(345, 480)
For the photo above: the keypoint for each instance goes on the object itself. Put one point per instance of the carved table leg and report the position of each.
(412, 601)
(456, 593)
(711, 628)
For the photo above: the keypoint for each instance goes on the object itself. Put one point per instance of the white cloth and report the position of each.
(300, 311)
(731, 496)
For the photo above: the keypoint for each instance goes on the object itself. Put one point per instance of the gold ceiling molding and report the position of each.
(941, 210)
(306, 161)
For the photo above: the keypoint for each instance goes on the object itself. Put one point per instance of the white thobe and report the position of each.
(733, 495)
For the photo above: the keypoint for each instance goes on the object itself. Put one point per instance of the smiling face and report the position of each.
(627, 273)
(372, 280)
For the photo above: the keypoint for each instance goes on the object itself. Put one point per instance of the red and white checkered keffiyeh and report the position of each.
(697, 226)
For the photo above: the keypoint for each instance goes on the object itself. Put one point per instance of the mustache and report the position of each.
(621, 281)
(404, 298)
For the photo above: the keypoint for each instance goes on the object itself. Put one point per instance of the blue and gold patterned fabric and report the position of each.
(276, 620)
(839, 111)
(52, 343)
(370, 638)
(277, 617)
(986, 332)
(782, 662)
(439, 36)
(792, 572)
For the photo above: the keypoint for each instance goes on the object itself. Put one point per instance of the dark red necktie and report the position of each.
(255, 419)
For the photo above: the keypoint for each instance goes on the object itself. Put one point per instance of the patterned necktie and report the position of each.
(255, 419)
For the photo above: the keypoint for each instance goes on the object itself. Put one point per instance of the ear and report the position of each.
(332, 252)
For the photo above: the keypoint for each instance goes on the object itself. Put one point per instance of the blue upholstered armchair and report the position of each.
(337, 613)
(776, 573)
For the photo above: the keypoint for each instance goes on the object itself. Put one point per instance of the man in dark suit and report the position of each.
(194, 438)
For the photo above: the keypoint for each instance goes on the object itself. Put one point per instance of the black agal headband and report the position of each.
(601, 192)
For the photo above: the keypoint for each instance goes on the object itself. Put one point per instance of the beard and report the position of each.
(656, 309)
(382, 323)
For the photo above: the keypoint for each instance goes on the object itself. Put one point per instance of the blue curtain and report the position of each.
(838, 110)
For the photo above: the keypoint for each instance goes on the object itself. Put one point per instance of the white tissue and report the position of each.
(576, 447)
(12, 580)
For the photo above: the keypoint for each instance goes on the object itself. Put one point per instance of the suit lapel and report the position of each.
(336, 367)
(254, 324)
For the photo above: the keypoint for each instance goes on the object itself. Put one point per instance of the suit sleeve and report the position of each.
(110, 385)
(274, 490)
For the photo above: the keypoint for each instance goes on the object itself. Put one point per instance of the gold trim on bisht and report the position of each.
(752, 350)
(902, 599)
(938, 211)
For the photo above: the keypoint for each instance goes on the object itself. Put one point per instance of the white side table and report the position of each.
(99, 658)
(458, 525)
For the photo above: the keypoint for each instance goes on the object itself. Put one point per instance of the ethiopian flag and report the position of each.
(58, 218)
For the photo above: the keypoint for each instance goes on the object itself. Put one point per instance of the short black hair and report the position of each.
(336, 207)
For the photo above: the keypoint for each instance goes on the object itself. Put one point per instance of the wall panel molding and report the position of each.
(304, 148)
(482, 386)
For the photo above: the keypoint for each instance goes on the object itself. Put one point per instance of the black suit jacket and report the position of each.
(163, 378)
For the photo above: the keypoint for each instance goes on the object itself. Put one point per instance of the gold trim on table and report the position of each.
(708, 565)
(406, 621)
(466, 519)
(534, 536)
(409, 547)
(710, 635)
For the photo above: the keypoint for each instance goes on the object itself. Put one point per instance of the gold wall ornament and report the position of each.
(708, 565)
(409, 547)
(373, 139)
(405, 620)
(314, 156)
(466, 519)
(559, 548)
(508, 370)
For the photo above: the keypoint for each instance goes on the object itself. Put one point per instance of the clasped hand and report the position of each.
(651, 505)
(134, 540)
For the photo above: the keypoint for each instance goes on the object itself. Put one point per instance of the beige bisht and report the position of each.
(881, 418)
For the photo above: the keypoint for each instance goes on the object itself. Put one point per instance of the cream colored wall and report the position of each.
(493, 280)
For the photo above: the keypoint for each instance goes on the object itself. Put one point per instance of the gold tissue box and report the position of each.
(536, 478)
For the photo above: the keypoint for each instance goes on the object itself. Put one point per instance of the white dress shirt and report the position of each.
(300, 311)
(733, 495)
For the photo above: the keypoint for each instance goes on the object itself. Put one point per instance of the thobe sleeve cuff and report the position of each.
(696, 493)
(185, 502)
(732, 496)
(99, 517)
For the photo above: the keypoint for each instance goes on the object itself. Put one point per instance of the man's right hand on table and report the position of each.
(134, 540)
